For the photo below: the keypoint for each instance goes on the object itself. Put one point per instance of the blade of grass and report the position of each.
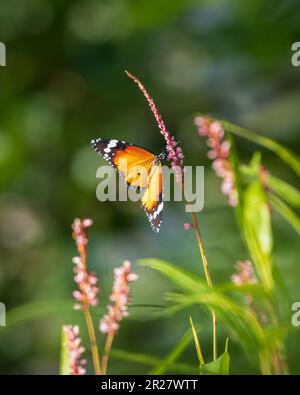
(220, 366)
(285, 211)
(258, 232)
(64, 366)
(151, 360)
(208, 279)
(235, 165)
(32, 311)
(197, 343)
(172, 357)
(241, 323)
(238, 318)
(286, 191)
(40, 310)
(282, 152)
(182, 278)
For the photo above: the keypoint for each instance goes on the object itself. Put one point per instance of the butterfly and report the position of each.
(141, 169)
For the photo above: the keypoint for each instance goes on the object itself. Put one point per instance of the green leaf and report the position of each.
(235, 165)
(258, 232)
(285, 211)
(64, 366)
(258, 213)
(255, 163)
(286, 191)
(151, 360)
(181, 278)
(164, 365)
(219, 366)
(251, 171)
(255, 290)
(240, 321)
(41, 310)
(282, 152)
(32, 311)
(197, 343)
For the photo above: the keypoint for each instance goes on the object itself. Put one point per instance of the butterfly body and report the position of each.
(141, 169)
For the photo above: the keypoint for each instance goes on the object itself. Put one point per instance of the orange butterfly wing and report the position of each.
(131, 161)
(139, 169)
(134, 163)
(152, 199)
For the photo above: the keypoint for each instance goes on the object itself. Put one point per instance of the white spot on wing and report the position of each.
(112, 143)
(158, 210)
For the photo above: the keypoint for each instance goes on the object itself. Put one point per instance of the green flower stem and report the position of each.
(93, 341)
(107, 348)
(208, 279)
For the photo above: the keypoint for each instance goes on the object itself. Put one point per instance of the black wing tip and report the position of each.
(156, 229)
(94, 142)
(154, 226)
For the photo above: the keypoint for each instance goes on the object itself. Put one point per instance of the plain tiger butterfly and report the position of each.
(141, 169)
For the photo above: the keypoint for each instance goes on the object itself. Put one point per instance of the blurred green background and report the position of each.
(64, 84)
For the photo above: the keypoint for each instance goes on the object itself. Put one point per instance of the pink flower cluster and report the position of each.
(175, 154)
(120, 298)
(219, 153)
(75, 350)
(87, 291)
(244, 273)
(79, 227)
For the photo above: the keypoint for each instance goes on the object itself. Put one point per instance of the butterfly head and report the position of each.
(162, 158)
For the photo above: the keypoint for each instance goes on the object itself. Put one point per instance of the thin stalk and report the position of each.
(107, 348)
(197, 344)
(80, 236)
(283, 361)
(93, 341)
(201, 248)
(208, 280)
(279, 362)
(265, 363)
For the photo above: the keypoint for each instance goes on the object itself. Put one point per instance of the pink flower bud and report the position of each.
(219, 154)
(120, 298)
(75, 350)
(187, 226)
